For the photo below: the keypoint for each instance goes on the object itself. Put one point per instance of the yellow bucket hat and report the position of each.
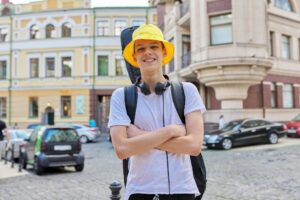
(148, 32)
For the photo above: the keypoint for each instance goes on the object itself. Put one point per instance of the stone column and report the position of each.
(279, 93)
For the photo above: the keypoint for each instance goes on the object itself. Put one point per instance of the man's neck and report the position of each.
(153, 79)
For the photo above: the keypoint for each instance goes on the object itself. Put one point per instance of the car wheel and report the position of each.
(227, 143)
(37, 167)
(79, 168)
(84, 139)
(273, 138)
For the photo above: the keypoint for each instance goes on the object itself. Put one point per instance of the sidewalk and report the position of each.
(6, 171)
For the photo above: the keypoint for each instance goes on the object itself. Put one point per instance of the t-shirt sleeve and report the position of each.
(117, 114)
(193, 100)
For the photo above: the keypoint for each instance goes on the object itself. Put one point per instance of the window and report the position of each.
(284, 5)
(3, 68)
(34, 32)
(66, 106)
(138, 22)
(285, 47)
(50, 31)
(33, 107)
(186, 50)
(272, 43)
(50, 67)
(3, 34)
(273, 95)
(34, 67)
(119, 26)
(120, 66)
(66, 30)
(66, 63)
(221, 29)
(102, 65)
(2, 107)
(288, 96)
(102, 27)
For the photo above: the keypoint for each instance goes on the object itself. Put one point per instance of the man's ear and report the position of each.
(165, 52)
(133, 56)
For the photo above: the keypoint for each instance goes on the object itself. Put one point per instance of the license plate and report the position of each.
(291, 131)
(62, 147)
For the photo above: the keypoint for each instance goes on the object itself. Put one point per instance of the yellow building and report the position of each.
(60, 60)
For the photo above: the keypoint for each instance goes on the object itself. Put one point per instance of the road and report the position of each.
(257, 172)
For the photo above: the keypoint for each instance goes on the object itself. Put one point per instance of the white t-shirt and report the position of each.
(148, 171)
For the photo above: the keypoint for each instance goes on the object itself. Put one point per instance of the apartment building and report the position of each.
(60, 60)
(244, 56)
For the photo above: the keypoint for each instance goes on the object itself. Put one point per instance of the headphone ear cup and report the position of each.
(145, 88)
(160, 88)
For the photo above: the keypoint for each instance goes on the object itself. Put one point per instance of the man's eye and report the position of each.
(140, 49)
(154, 47)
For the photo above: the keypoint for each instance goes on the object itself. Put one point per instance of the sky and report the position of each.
(101, 3)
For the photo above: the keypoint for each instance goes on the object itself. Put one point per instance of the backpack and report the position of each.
(178, 97)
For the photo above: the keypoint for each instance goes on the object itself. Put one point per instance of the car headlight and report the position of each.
(213, 138)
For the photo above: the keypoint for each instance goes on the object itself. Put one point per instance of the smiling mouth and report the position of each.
(149, 60)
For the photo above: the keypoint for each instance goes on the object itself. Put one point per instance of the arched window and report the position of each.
(284, 5)
(66, 30)
(50, 31)
(34, 32)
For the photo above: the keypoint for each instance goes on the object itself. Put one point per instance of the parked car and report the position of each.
(17, 137)
(294, 127)
(34, 126)
(86, 133)
(245, 132)
(53, 146)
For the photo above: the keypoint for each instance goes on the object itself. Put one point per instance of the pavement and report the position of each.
(6, 171)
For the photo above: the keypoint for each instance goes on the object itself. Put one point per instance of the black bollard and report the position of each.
(21, 160)
(5, 154)
(115, 188)
(12, 158)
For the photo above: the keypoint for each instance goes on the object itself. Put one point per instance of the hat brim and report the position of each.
(128, 53)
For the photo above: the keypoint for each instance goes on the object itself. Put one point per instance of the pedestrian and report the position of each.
(92, 122)
(3, 131)
(4, 135)
(221, 122)
(158, 145)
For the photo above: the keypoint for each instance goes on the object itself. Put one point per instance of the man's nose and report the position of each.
(148, 51)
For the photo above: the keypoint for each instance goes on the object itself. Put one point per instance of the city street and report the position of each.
(257, 172)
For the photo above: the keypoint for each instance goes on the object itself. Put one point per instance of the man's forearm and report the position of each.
(181, 145)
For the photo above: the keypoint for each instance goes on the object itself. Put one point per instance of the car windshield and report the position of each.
(233, 125)
(22, 135)
(61, 135)
(297, 118)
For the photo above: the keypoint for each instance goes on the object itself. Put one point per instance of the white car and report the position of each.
(17, 137)
(86, 133)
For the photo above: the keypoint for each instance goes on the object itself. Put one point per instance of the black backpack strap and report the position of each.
(198, 164)
(178, 97)
(130, 95)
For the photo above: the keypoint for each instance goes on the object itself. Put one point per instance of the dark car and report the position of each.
(53, 146)
(245, 132)
(294, 127)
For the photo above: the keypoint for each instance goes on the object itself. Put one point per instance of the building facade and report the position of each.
(244, 56)
(60, 60)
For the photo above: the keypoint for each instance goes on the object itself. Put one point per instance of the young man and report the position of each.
(158, 145)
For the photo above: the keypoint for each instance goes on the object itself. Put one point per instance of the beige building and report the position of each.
(60, 60)
(244, 55)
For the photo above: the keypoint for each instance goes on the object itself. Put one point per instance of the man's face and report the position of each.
(149, 53)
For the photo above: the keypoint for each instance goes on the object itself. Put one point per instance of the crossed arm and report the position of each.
(129, 141)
